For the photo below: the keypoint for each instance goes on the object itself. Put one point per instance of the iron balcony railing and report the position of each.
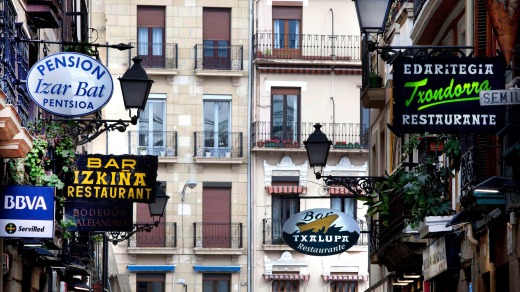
(218, 145)
(211, 57)
(272, 232)
(217, 235)
(160, 143)
(156, 55)
(306, 46)
(265, 134)
(164, 235)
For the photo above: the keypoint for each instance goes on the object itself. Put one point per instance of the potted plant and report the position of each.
(340, 144)
(374, 80)
(267, 52)
(142, 150)
(260, 143)
(275, 142)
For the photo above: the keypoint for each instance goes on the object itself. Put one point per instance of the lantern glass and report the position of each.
(372, 14)
(317, 147)
(135, 86)
(157, 207)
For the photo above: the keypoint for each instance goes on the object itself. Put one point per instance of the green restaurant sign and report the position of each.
(442, 95)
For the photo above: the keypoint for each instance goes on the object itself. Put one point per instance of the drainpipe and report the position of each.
(250, 235)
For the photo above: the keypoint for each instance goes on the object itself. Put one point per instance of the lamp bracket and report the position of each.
(88, 129)
(359, 186)
(118, 236)
(389, 53)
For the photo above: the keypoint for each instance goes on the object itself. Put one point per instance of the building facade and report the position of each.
(306, 70)
(471, 245)
(196, 122)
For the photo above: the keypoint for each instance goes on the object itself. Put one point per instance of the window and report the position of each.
(217, 124)
(151, 127)
(150, 282)
(285, 115)
(345, 205)
(343, 286)
(283, 208)
(156, 237)
(216, 38)
(150, 35)
(216, 217)
(216, 282)
(286, 285)
(287, 31)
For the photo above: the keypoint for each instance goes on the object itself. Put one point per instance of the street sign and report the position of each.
(499, 97)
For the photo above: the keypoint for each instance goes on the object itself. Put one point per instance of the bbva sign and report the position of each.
(321, 232)
(70, 84)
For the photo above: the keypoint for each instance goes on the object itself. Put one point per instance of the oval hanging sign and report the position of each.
(321, 232)
(70, 84)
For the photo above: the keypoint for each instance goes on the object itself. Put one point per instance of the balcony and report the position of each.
(45, 13)
(344, 136)
(214, 147)
(162, 236)
(217, 238)
(224, 60)
(272, 232)
(306, 47)
(156, 56)
(160, 143)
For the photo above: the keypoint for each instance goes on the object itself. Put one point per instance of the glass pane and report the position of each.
(142, 38)
(208, 48)
(294, 34)
(222, 286)
(277, 118)
(223, 49)
(144, 124)
(292, 117)
(279, 30)
(207, 286)
(157, 35)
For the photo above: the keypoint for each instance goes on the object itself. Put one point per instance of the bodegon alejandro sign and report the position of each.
(320, 232)
(114, 177)
(70, 84)
(441, 95)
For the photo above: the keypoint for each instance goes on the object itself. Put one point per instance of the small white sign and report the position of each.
(70, 84)
(499, 97)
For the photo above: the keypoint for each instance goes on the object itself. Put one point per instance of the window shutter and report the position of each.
(216, 24)
(287, 12)
(481, 26)
(151, 16)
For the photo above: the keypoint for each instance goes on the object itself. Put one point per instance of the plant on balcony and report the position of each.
(423, 189)
(275, 142)
(260, 143)
(374, 80)
(340, 144)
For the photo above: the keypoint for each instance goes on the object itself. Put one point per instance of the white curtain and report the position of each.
(278, 33)
(142, 37)
(157, 41)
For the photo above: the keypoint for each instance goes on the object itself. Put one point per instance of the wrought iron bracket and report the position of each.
(390, 53)
(359, 186)
(88, 130)
(118, 236)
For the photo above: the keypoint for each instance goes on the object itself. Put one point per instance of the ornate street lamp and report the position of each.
(372, 14)
(156, 207)
(318, 147)
(135, 86)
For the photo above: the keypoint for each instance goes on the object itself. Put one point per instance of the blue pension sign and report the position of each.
(27, 211)
(70, 84)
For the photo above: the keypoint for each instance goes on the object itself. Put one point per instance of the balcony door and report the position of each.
(152, 127)
(285, 115)
(216, 38)
(217, 125)
(284, 206)
(287, 22)
(150, 35)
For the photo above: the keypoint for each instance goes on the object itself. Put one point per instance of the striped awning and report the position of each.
(285, 189)
(295, 277)
(309, 70)
(339, 191)
(362, 278)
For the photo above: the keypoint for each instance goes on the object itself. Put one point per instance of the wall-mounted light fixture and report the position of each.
(191, 183)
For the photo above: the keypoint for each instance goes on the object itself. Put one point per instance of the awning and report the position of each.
(217, 269)
(295, 277)
(362, 278)
(471, 215)
(151, 268)
(339, 191)
(285, 189)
